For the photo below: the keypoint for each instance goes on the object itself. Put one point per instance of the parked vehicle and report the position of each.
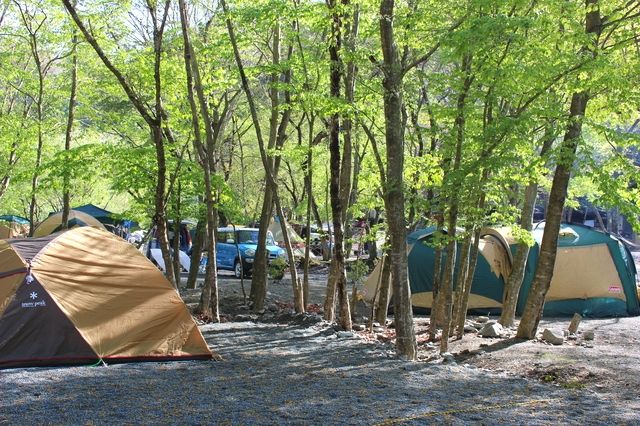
(228, 254)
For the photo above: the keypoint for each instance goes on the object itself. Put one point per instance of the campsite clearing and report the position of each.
(282, 368)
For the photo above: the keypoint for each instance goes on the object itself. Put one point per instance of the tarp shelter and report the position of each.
(13, 226)
(105, 216)
(297, 242)
(594, 275)
(85, 295)
(487, 288)
(76, 219)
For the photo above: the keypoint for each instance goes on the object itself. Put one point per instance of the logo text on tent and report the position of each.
(614, 289)
(38, 304)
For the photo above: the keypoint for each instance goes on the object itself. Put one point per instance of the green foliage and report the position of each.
(526, 60)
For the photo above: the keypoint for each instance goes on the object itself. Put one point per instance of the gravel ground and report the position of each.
(300, 370)
(292, 374)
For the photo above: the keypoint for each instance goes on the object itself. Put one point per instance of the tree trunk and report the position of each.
(454, 202)
(209, 296)
(436, 314)
(340, 173)
(557, 196)
(153, 117)
(394, 189)
(518, 268)
(382, 305)
(177, 230)
(276, 139)
(196, 253)
(460, 286)
(66, 187)
(466, 290)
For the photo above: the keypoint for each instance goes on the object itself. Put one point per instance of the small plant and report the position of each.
(277, 268)
(357, 271)
(549, 378)
(574, 384)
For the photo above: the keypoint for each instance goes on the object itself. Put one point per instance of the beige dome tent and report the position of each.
(76, 218)
(86, 295)
(13, 226)
(12, 230)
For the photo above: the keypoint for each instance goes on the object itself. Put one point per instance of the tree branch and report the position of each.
(133, 97)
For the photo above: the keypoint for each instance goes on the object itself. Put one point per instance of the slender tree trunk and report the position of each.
(177, 230)
(454, 203)
(298, 296)
(514, 282)
(382, 305)
(66, 186)
(557, 196)
(39, 99)
(466, 289)
(276, 139)
(153, 117)
(460, 285)
(340, 173)
(436, 315)
(209, 296)
(196, 252)
(470, 264)
(394, 190)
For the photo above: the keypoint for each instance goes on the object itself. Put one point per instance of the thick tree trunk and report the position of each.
(394, 190)
(557, 196)
(258, 292)
(547, 257)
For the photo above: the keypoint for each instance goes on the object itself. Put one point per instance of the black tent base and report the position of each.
(97, 362)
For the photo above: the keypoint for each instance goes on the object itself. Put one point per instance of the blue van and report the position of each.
(247, 238)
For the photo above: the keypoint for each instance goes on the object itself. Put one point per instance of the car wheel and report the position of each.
(237, 269)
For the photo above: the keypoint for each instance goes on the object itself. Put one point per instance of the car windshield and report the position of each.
(251, 237)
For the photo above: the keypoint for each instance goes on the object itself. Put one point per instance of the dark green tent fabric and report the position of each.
(104, 216)
(421, 267)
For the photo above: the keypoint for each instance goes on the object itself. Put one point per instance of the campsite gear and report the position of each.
(54, 223)
(85, 296)
(594, 275)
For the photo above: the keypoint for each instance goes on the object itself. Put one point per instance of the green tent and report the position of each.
(594, 275)
(494, 265)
